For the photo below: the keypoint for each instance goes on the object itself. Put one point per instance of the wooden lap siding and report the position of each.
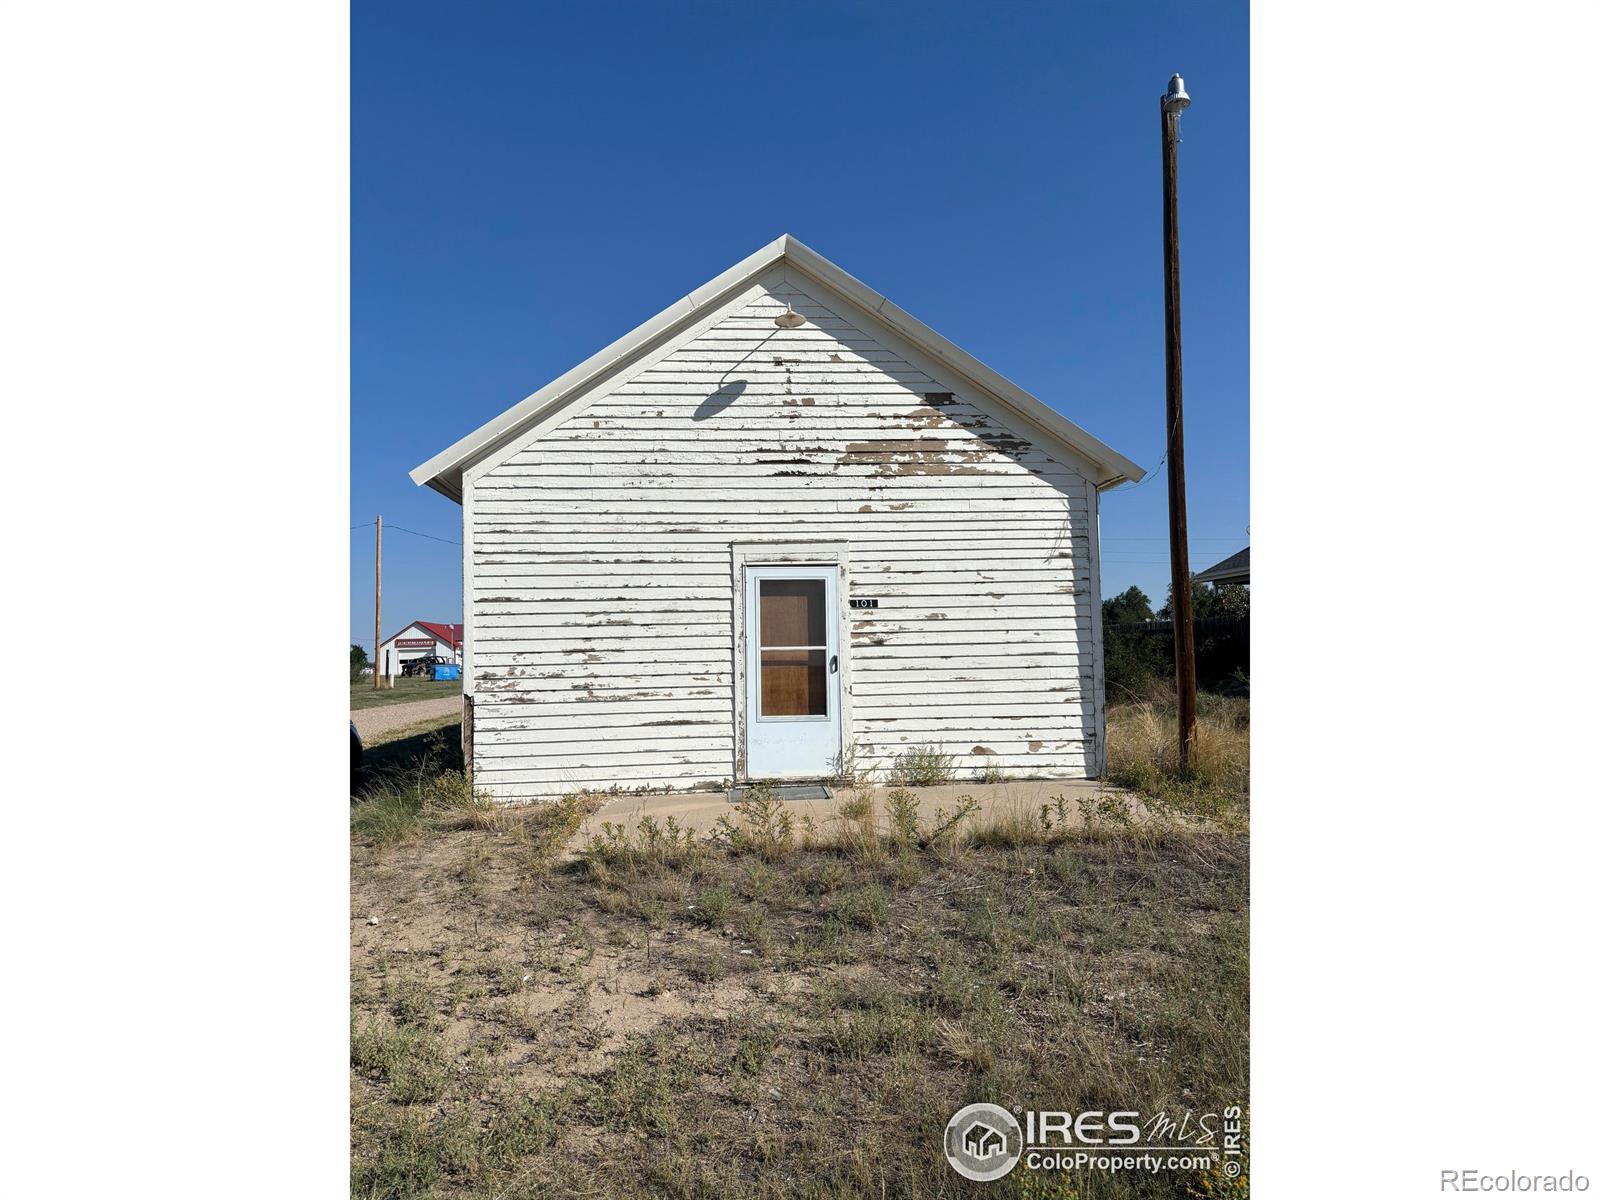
(602, 588)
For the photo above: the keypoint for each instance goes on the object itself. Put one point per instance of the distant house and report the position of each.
(1233, 569)
(417, 640)
(781, 524)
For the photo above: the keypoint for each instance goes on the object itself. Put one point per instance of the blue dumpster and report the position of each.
(447, 671)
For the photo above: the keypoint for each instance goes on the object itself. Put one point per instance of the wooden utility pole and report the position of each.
(377, 614)
(1172, 104)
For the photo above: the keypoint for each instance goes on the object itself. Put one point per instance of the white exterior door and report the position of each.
(792, 709)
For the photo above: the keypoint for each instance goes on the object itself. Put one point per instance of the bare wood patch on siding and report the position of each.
(925, 418)
(924, 456)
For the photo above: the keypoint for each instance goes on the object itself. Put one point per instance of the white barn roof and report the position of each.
(443, 471)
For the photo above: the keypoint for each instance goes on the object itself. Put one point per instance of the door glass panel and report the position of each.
(794, 683)
(791, 612)
(794, 648)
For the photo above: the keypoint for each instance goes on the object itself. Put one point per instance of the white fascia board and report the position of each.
(443, 471)
(1117, 469)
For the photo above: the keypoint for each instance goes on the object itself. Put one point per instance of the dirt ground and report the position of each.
(683, 1019)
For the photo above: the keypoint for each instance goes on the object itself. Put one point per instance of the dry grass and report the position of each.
(432, 795)
(1142, 749)
(774, 1011)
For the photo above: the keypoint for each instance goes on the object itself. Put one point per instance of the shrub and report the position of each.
(541, 830)
(712, 906)
(922, 766)
(1136, 658)
(651, 846)
(764, 825)
(902, 807)
(947, 823)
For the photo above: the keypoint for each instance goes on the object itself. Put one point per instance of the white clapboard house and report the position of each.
(781, 523)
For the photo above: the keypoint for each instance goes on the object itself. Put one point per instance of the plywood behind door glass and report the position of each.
(794, 679)
(792, 612)
(794, 683)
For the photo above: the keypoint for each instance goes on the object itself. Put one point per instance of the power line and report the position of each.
(1154, 471)
(412, 532)
(429, 536)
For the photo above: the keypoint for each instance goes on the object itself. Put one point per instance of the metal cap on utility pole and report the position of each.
(1176, 99)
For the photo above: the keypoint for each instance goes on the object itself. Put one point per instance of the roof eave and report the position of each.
(447, 483)
(448, 464)
(1116, 468)
(443, 472)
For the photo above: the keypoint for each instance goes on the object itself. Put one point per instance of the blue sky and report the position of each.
(530, 181)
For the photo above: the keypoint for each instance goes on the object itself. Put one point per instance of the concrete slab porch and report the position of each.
(699, 811)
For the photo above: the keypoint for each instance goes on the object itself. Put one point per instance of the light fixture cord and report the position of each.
(747, 357)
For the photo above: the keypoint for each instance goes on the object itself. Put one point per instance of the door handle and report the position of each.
(833, 665)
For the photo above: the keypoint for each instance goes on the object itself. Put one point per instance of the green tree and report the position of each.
(1213, 600)
(358, 660)
(1230, 600)
(1135, 655)
(1132, 605)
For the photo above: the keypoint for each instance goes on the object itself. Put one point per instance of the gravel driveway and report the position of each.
(372, 723)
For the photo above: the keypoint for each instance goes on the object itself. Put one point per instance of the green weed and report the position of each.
(922, 766)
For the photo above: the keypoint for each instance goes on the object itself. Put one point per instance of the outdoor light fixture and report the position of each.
(789, 319)
(1176, 99)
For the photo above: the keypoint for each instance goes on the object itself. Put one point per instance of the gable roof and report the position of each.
(443, 471)
(1233, 569)
(449, 634)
